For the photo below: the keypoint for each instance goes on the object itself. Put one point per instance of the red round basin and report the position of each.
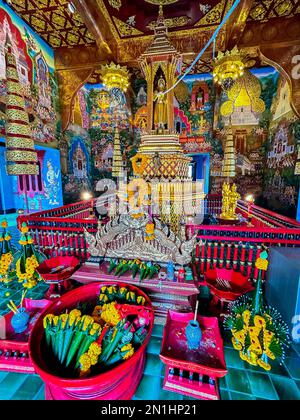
(119, 383)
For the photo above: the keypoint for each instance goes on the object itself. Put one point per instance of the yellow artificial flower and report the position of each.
(94, 350)
(76, 313)
(85, 362)
(47, 321)
(64, 319)
(130, 351)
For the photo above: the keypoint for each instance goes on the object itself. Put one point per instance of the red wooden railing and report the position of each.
(237, 247)
(61, 232)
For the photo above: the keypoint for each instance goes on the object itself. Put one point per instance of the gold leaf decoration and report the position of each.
(124, 29)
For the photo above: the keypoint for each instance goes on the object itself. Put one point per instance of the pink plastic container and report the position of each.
(119, 383)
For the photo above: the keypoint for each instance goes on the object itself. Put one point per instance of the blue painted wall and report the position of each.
(49, 196)
(202, 164)
(7, 201)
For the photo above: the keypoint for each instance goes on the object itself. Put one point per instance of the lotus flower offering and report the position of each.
(7, 253)
(258, 330)
(135, 267)
(89, 340)
(28, 260)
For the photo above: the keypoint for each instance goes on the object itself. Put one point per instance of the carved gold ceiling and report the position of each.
(131, 19)
(265, 10)
(54, 22)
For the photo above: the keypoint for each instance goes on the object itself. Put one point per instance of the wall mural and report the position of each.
(88, 145)
(35, 63)
(281, 186)
(201, 129)
(250, 131)
(38, 192)
(35, 66)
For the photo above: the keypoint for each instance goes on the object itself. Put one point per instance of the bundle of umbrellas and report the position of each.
(83, 346)
(145, 270)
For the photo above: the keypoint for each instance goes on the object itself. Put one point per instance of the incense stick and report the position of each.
(196, 311)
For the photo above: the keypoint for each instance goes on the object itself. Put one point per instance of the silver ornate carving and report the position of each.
(125, 237)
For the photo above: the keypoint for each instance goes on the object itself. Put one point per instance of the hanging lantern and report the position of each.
(228, 67)
(115, 76)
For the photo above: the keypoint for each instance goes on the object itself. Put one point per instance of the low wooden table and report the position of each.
(193, 372)
(14, 348)
(164, 295)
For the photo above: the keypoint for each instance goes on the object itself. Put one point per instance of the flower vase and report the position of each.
(193, 335)
(20, 321)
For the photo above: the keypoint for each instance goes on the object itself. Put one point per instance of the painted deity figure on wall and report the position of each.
(51, 187)
(161, 106)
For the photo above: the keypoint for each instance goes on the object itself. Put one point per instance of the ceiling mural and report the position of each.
(268, 9)
(54, 22)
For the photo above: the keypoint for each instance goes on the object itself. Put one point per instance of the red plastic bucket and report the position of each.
(119, 383)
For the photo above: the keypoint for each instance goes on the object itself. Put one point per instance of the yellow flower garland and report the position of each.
(138, 168)
(28, 278)
(110, 314)
(5, 262)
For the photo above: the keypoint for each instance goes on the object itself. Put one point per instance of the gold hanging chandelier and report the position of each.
(115, 76)
(228, 67)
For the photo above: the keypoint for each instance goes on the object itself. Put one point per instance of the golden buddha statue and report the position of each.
(234, 197)
(225, 200)
(230, 198)
(161, 108)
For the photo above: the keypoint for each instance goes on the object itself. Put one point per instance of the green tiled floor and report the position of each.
(243, 381)
(13, 291)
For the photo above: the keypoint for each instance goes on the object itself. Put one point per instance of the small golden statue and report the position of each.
(229, 202)
(161, 108)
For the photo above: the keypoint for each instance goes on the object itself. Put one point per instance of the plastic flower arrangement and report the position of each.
(84, 345)
(145, 271)
(28, 260)
(6, 255)
(258, 331)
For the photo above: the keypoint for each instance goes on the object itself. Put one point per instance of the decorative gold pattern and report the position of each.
(264, 11)
(228, 170)
(115, 76)
(125, 29)
(15, 114)
(17, 124)
(20, 156)
(55, 23)
(228, 66)
(16, 142)
(161, 2)
(214, 16)
(22, 169)
(246, 91)
(230, 198)
(24, 130)
(116, 4)
(172, 22)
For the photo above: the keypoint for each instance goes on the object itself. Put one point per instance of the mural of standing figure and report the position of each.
(51, 187)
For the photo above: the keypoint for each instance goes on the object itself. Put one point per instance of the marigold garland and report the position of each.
(6, 255)
(139, 163)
